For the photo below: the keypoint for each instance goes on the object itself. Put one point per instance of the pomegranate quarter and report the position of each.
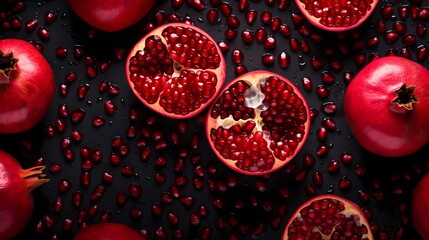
(176, 70)
(258, 123)
(328, 217)
(336, 16)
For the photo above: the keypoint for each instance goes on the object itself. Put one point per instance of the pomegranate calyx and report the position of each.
(405, 97)
(7, 65)
(34, 177)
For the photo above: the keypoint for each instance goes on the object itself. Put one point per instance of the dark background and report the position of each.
(396, 177)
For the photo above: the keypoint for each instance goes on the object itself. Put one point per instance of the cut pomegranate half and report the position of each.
(176, 70)
(336, 16)
(258, 123)
(328, 216)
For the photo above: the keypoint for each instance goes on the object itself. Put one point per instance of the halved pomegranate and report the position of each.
(336, 16)
(176, 70)
(258, 123)
(328, 216)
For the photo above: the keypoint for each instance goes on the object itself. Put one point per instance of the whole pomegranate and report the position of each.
(336, 16)
(328, 216)
(386, 106)
(420, 207)
(176, 70)
(111, 15)
(258, 123)
(108, 231)
(16, 202)
(27, 86)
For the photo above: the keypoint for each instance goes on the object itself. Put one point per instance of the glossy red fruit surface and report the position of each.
(328, 217)
(334, 15)
(16, 202)
(258, 123)
(176, 70)
(109, 15)
(420, 207)
(108, 231)
(27, 86)
(386, 106)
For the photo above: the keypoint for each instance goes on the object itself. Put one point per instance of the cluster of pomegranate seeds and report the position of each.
(327, 217)
(337, 13)
(283, 117)
(182, 50)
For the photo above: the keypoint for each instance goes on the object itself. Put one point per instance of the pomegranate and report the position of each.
(27, 86)
(108, 231)
(386, 106)
(258, 123)
(328, 216)
(16, 202)
(336, 16)
(420, 207)
(108, 15)
(176, 70)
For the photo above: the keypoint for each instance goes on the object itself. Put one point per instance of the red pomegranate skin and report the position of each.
(109, 15)
(108, 231)
(16, 201)
(420, 207)
(30, 89)
(380, 125)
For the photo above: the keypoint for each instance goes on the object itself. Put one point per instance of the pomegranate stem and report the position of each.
(7, 65)
(405, 97)
(33, 177)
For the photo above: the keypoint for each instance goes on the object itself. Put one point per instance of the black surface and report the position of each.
(68, 30)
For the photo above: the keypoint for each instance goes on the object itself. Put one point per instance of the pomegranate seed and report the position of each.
(318, 178)
(261, 34)
(136, 213)
(333, 167)
(310, 190)
(243, 5)
(44, 34)
(285, 30)
(64, 186)
(421, 30)
(251, 16)
(50, 17)
(322, 91)
(177, 3)
(247, 36)
(233, 22)
(284, 59)
(266, 17)
(409, 40)
(390, 37)
(61, 52)
(225, 8)
(230, 34)
(31, 25)
(270, 43)
(267, 59)
(344, 183)
(399, 27)
(403, 12)
(196, 4)
(387, 11)
(213, 16)
(282, 4)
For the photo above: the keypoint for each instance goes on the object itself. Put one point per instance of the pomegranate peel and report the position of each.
(393, 91)
(111, 231)
(336, 16)
(328, 216)
(258, 123)
(27, 85)
(176, 70)
(420, 207)
(16, 202)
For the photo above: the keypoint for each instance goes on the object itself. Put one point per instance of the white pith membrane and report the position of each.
(260, 151)
(178, 93)
(309, 222)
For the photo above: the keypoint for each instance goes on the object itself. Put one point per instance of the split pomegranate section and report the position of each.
(328, 216)
(258, 123)
(176, 70)
(336, 16)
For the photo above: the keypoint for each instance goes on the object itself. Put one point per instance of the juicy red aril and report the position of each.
(333, 167)
(267, 59)
(342, 15)
(266, 17)
(233, 22)
(312, 222)
(323, 91)
(31, 25)
(231, 34)
(270, 43)
(61, 52)
(344, 183)
(261, 35)
(251, 16)
(421, 30)
(64, 186)
(284, 60)
(243, 5)
(44, 34)
(213, 16)
(247, 36)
